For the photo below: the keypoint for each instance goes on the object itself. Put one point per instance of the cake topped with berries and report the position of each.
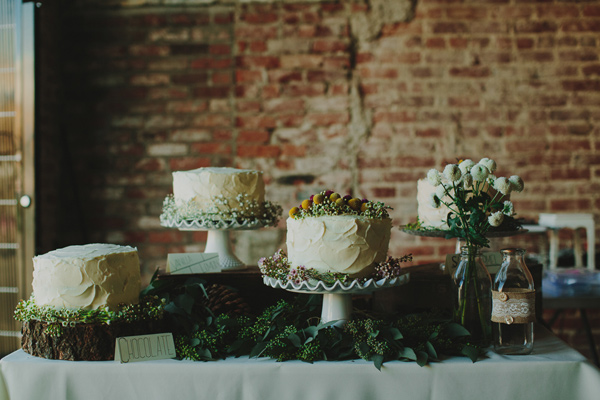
(333, 233)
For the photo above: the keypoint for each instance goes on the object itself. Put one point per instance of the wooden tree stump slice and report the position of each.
(82, 342)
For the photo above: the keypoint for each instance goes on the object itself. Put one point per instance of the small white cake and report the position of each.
(349, 244)
(429, 216)
(87, 277)
(218, 189)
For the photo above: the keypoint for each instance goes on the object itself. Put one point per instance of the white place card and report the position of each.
(491, 259)
(193, 263)
(159, 346)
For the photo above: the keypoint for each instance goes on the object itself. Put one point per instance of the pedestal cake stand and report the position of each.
(442, 234)
(218, 240)
(438, 233)
(337, 298)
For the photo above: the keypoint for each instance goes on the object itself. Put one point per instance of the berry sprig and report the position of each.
(329, 202)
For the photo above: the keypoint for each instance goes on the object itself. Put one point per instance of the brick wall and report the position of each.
(317, 95)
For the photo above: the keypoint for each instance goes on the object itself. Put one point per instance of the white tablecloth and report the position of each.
(553, 371)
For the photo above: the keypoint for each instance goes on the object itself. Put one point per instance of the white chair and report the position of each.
(555, 222)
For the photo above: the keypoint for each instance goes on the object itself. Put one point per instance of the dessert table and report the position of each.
(552, 371)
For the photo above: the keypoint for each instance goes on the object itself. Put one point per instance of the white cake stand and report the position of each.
(218, 240)
(337, 298)
(439, 233)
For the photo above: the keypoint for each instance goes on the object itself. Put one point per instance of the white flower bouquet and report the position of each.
(477, 200)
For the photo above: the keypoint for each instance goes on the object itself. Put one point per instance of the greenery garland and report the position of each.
(292, 331)
(285, 332)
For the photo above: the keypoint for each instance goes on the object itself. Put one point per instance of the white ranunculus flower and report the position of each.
(465, 166)
(517, 183)
(496, 218)
(479, 172)
(434, 177)
(503, 186)
(489, 164)
(452, 172)
(508, 209)
(434, 201)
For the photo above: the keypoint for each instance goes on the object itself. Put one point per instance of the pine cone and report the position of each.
(223, 300)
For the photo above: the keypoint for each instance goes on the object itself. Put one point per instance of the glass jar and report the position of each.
(472, 295)
(513, 305)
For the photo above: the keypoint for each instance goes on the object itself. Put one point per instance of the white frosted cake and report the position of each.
(217, 189)
(343, 243)
(333, 234)
(429, 216)
(87, 277)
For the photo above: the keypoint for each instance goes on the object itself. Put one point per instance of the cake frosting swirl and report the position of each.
(87, 276)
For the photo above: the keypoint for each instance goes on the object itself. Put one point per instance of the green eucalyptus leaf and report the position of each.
(258, 349)
(454, 329)
(295, 339)
(430, 350)
(312, 331)
(266, 335)
(407, 353)
(205, 354)
(471, 352)
(185, 302)
(395, 333)
(377, 361)
(276, 314)
(422, 358)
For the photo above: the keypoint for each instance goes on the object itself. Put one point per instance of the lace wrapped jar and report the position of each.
(513, 305)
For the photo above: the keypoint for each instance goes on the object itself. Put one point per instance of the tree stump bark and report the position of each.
(82, 342)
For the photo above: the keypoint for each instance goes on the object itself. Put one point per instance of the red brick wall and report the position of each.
(320, 95)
